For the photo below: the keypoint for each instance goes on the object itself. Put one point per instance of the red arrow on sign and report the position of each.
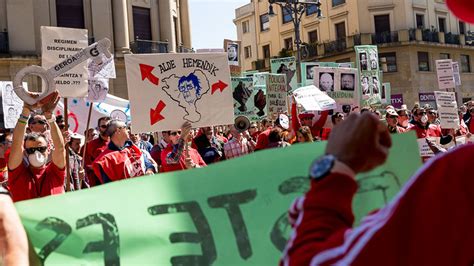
(220, 85)
(155, 114)
(146, 74)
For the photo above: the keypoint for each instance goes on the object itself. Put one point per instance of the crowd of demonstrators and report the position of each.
(209, 145)
(240, 144)
(399, 233)
(94, 148)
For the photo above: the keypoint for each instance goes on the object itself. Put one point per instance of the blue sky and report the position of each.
(211, 22)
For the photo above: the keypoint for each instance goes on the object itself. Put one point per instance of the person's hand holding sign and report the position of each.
(185, 130)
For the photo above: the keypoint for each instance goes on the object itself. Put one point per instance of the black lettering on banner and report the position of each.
(62, 229)
(94, 51)
(111, 243)
(278, 235)
(203, 235)
(230, 202)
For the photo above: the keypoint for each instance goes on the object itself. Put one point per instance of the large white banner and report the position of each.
(444, 72)
(166, 90)
(57, 45)
(78, 109)
(312, 99)
(12, 104)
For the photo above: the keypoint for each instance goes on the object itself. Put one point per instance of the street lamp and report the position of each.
(296, 8)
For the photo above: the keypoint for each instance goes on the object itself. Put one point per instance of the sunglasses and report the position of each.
(431, 113)
(256, 127)
(33, 150)
(103, 126)
(175, 133)
(424, 113)
(393, 116)
(41, 122)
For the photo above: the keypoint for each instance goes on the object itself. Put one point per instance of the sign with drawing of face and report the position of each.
(12, 104)
(166, 90)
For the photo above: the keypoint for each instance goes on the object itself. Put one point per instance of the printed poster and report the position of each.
(247, 99)
(369, 74)
(276, 95)
(447, 109)
(165, 90)
(233, 54)
(445, 74)
(312, 99)
(286, 66)
(99, 74)
(57, 45)
(340, 84)
(12, 104)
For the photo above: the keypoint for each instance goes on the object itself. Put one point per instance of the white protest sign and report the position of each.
(12, 104)
(166, 90)
(78, 109)
(457, 76)
(444, 72)
(59, 44)
(276, 95)
(447, 109)
(312, 99)
(424, 148)
(99, 73)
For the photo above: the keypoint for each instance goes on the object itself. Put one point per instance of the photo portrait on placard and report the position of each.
(12, 104)
(309, 72)
(376, 85)
(373, 60)
(326, 81)
(363, 61)
(364, 81)
(233, 53)
(347, 81)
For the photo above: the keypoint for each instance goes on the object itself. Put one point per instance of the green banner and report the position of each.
(287, 66)
(230, 213)
(246, 98)
(369, 74)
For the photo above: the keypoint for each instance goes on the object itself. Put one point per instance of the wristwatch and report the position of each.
(322, 166)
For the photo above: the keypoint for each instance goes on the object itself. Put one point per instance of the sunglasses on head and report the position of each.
(41, 122)
(33, 150)
(175, 133)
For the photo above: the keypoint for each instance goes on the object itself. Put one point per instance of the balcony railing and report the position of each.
(4, 43)
(430, 36)
(412, 35)
(182, 49)
(451, 38)
(148, 47)
(385, 37)
(357, 39)
(335, 46)
(262, 64)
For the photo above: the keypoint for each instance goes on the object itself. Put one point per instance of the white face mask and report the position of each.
(424, 119)
(37, 159)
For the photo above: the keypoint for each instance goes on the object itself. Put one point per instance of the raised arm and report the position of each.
(59, 152)
(16, 154)
(295, 123)
(321, 121)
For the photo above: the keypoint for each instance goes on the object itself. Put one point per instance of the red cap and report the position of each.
(463, 9)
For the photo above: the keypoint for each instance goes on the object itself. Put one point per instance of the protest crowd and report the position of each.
(44, 155)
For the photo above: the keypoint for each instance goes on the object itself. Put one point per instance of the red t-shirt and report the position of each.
(29, 183)
(180, 165)
(262, 140)
(94, 149)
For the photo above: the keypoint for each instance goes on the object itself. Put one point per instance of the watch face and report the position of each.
(322, 167)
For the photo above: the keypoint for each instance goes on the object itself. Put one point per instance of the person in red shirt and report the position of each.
(262, 139)
(122, 159)
(35, 177)
(392, 122)
(469, 121)
(307, 120)
(178, 157)
(95, 148)
(428, 223)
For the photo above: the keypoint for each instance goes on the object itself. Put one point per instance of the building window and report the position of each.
(423, 61)
(286, 15)
(311, 9)
(70, 14)
(444, 56)
(441, 24)
(264, 22)
(340, 30)
(245, 26)
(391, 60)
(462, 27)
(141, 23)
(338, 2)
(465, 63)
(247, 51)
(266, 51)
(382, 23)
(288, 43)
(313, 36)
(420, 21)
